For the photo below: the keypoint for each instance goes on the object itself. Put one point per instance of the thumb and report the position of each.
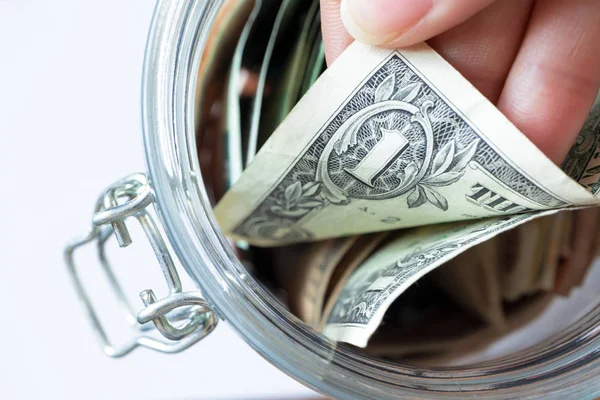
(400, 23)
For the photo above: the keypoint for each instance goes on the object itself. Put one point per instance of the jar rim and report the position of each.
(565, 365)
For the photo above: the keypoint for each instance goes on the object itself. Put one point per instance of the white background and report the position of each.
(70, 74)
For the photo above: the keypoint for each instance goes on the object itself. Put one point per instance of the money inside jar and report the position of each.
(383, 200)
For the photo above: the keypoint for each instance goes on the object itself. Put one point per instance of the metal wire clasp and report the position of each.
(131, 197)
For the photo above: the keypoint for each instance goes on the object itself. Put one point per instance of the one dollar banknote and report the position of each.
(386, 140)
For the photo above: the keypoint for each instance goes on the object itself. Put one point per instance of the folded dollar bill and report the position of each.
(390, 139)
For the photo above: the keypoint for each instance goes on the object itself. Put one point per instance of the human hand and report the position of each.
(538, 61)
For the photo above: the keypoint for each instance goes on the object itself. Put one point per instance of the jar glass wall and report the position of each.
(567, 365)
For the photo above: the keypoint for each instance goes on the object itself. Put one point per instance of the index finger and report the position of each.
(335, 36)
(390, 23)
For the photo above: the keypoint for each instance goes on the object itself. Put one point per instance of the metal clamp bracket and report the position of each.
(131, 197)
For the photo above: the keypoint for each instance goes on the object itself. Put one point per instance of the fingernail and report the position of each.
(377, 22)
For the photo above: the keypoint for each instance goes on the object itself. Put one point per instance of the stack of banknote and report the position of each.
(384, 200)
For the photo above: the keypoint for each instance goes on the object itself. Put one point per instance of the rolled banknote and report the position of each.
(391, 139)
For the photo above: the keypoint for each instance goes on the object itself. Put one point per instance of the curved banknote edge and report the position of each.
(387, 273)
(234, 152)
(583, 161)
(387, 140)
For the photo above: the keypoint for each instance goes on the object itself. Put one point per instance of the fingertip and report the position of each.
(335, 37)
(380, 22)
(401, 23)
(553, 82)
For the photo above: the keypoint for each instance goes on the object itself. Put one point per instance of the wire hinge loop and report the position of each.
(183, 318)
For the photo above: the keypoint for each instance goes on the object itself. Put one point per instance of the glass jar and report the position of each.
(565, 366)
